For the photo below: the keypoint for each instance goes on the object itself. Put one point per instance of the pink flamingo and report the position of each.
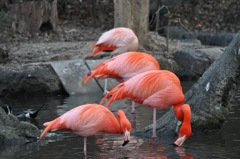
(117, 41)
(123, 67)
(90, 119)
(158, 89)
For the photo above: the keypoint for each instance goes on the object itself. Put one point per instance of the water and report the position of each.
(222, 145)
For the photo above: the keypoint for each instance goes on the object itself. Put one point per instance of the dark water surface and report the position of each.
(222, 145)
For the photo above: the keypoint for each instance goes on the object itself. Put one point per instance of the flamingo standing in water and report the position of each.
(158, 89)
(90, 119)
(124, 67)
(117, 41)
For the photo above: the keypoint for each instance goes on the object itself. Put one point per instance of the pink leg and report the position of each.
(133, 107)
(105, 87)
(85, 147)
(154, 123)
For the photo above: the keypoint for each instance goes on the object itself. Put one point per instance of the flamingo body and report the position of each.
(124, 66)
(116, 40)
(157, 89)
(91, 119)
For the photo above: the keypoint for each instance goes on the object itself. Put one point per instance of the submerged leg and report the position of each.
(154, 123)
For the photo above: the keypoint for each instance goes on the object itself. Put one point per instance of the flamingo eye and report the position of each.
(89, 73)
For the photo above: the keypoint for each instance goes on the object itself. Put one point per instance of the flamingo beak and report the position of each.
(126, 138)
(180, 141)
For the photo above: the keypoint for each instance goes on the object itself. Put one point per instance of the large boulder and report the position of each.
(192, 63)
(29, 79)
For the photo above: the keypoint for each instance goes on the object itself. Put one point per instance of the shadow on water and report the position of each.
(224, 144)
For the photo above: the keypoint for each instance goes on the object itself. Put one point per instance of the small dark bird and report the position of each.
(7, 108)
(28, 114)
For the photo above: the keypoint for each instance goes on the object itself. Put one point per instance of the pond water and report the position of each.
(222, 145)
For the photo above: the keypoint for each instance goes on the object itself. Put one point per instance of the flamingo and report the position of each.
(90, 119)
(123, 67)
(117, 40)
(157, 89)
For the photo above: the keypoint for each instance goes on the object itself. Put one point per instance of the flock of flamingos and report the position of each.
(141, 81)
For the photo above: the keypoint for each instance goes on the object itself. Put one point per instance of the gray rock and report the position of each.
(193, 62)
(30, 79)
(13, 132)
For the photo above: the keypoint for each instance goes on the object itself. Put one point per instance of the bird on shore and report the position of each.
(123, 67)
(116, 41)
(28, 114)
(23, 116)
(158, 89)
(7, 109)
(91, 119)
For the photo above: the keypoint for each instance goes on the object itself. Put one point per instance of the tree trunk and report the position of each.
(132, 14)
(210, 98)
(34, 16)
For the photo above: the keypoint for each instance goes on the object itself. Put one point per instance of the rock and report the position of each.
(29, 79)
(13, 132)
(206, 38)
(71, 73)
(193, 62)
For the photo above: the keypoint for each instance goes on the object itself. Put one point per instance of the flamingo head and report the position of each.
(180, 141)
(125, 126)
(184, 133)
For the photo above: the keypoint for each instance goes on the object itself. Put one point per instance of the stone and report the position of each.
(193, 63)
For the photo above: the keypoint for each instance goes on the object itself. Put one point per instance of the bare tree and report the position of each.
(132, 14)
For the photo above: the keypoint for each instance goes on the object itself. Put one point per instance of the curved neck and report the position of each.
(178, 112)
(184, 115)
(112, 126)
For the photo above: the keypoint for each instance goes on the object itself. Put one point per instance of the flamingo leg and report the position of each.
(154, 123)
(105, 87)
(85, 146)
(133, 107)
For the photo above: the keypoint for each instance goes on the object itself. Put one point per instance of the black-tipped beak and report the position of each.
(173, 144)
(125, 142)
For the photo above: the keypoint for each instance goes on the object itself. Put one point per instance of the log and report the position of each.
(210, 97)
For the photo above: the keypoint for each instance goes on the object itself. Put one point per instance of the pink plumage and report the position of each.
(90, 119)
(124, 66)
(117, 40)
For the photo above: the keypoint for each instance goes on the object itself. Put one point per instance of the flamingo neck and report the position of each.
(113, 126)
(178, 112)
(186, 119)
